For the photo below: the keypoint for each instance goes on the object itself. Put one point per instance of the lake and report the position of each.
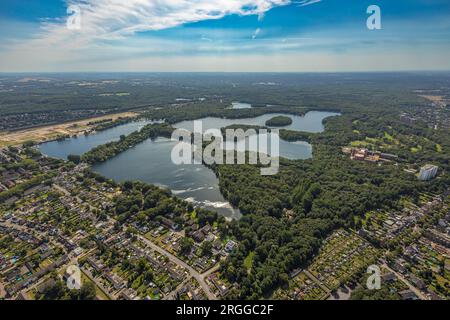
(82, 144)
(150, 161)
(310, 122)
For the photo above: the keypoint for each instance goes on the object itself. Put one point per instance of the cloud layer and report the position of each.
(105, 41)
(304, 3)
(112, 19)
(103, 22)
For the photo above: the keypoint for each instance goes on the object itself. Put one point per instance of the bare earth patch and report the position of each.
(50, 132)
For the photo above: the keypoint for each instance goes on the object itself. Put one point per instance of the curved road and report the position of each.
(194, 273)
(199, 277)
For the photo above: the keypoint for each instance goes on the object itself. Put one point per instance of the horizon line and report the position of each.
(227, 72)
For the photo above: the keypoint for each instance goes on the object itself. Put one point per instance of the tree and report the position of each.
(87, 291)
(186, 245)
(29, 143)
(55, 291)
(74, 158)
(206, 248)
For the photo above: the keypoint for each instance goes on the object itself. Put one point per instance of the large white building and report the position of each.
(428, 172)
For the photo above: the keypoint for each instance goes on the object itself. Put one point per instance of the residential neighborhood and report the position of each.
(63, 218)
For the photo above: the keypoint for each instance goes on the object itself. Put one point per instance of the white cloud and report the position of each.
(255, 34)
(114, 19)
(304, 3)
(103, 21)
(105, 42)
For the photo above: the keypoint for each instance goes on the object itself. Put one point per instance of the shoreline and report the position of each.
(46, 133)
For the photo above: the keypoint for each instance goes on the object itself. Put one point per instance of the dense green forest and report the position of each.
(286, 216)
(83, 91)
(279, 121)
(54, 98)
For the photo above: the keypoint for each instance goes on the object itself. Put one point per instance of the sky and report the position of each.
(223, 36)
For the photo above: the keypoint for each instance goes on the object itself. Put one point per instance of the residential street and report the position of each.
(199, 277)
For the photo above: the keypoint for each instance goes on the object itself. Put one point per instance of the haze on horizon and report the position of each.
(224, 36)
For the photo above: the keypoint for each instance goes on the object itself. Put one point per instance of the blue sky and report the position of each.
(224, 35)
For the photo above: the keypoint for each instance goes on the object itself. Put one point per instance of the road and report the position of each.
(194, 273)
(410, 286)
(199, 277)
(171, 296)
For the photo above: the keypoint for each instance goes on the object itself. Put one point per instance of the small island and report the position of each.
(279, 121)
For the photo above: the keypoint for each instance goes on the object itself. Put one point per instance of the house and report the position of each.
(230, 246)
(45, 285)
(437, 237)
(418, 282)
(10, 184)
(220, 286)
(407, 295)
(129, 294)
(206, 229)
(198, 236)
(399, 265)
(96, 264)
(442, 225)
(169, 223)
(78, 251)
(11, 201)
(428, 172)
(388, 277)
(116, 281)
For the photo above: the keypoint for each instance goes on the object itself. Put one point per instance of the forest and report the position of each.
(55, 98)
(279, 121)
(287, 215)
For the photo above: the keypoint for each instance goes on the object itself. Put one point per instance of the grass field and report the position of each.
(248, 261)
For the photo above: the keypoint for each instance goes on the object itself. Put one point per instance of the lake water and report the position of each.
(82, 143)
(310, 122)
(151, 162)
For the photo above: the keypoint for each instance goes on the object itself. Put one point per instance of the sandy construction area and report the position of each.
(432, 98)
(44, 133)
